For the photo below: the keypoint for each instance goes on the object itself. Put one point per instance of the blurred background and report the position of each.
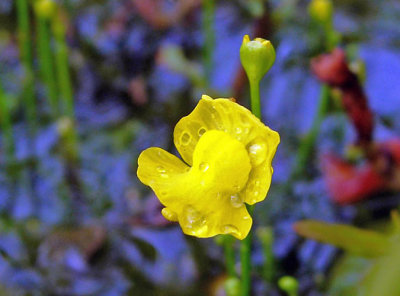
(86, 85)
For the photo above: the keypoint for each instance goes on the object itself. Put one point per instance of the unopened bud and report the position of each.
(45, 8)
(257, 57)
(232, 286)
(321, 10)
(289, 284)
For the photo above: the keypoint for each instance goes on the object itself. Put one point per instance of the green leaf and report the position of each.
(361, 242)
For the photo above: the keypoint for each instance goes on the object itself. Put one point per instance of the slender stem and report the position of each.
(62, 66)
(255, 98)
(209, 36)
(46, 63)
(6, 125)
(26, 59)
(307, 145)
(65, 86)
(245, 260)
(229, 255)
(245, 247)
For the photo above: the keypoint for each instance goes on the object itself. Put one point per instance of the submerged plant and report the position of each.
(227, 154)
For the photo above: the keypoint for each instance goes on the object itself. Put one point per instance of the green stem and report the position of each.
(46, 63)
(307, 145)
(245, 247)
(6, 126)
(209, 36)
(255, 98)
(65, 86)
(26, 59)
(229, 255)
(62, 66)
(245, 260)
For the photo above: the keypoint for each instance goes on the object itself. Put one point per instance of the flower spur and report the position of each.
(227, 154)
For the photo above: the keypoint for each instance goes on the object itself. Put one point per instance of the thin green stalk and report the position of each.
(65, 85)
(245, 247)
(266, 236)
(229, 255)
(62, 66)
(46, 63)
(308, 142)
(6, 126)
(26, 59)
(209, 36)
(245, 260)
(255, 98)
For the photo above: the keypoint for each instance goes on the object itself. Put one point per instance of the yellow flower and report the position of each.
(227, 154)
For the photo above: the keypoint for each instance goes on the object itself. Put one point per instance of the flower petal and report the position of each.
(228, 116)
(223, 217)
(160, 170)
(261, 151)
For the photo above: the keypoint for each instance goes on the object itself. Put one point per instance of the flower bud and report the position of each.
(289, 284)
(45, 8)
(321, 11)
(232, 286)
(257, 57)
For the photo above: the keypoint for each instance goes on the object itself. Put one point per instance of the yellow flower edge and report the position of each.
(227, 167)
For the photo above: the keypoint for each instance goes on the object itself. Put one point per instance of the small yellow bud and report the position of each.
(45, 8)
(289, 284)
(257, 57)
(321, 10)
(64, 126)
(232, 286)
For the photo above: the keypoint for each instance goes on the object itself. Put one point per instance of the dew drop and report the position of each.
(169, 214)
(257, 153)
(238, 130)
(203, 167)
(201, 131)
(194, 221)
(246, 130)
(245, 120)
(160, 169)
(185, 138)
(236, 188)
(247, 217)
(236, 201)
(228, 229)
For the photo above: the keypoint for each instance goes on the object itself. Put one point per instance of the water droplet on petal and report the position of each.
(230, 229)
(185, 138)
(257, 153)
(246, 217)
(194, 221)
(236, 201)
(169, 214)
(245, 120)
(203, 167)
(201, 131)
(162, 171)
(238, 130)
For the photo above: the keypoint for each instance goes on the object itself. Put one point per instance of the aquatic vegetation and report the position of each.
(227, 154)
(381, 278)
